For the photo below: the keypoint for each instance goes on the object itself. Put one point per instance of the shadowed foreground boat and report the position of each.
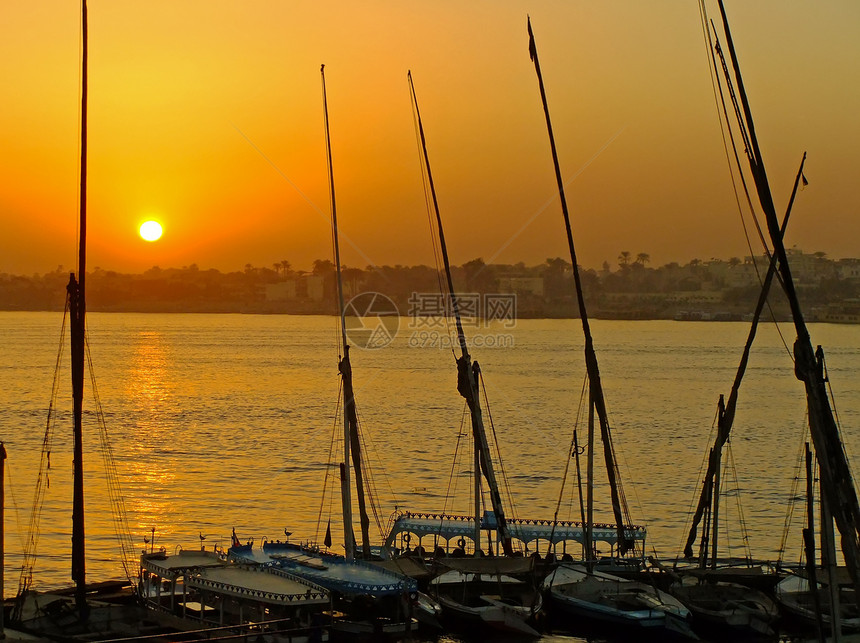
(799, 603)
(495, 601)
(628, 607)
(729, 607)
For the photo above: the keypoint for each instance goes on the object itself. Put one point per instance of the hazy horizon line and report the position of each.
(632, 259)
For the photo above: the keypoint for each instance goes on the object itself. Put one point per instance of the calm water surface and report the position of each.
(222, 421)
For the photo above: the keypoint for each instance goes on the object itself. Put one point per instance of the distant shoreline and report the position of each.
(697, 316)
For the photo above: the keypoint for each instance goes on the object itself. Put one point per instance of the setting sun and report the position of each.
(151, 231)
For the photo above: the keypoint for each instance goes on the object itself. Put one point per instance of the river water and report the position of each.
(227, 421)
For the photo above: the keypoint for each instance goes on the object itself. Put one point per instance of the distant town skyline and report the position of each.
(207, 117)
(614, 264)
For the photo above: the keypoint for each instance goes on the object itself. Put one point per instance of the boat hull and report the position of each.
(627, 606)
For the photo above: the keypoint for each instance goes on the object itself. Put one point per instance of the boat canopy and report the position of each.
(173, 566)
(208, 571)
(329, 570)
(449, 527)
(262, 584)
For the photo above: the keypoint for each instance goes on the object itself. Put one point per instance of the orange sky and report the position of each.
(206, 114)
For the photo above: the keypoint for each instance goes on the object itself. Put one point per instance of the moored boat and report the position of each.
(581, 592)
(806, 607)
(366, 599)
(494, 601)
(839, 508)
(629, 607)
(730, 607)
(200, 590)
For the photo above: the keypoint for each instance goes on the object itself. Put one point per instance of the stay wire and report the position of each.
(122, 531)
(325, 493)
(832, 398)
(453, 478)
(369, 446)
(745, 534)
(694, 496)
(753, 161)
(43, 481)
(429, 208)
(570, 453)
(725, 128)
(793, 497)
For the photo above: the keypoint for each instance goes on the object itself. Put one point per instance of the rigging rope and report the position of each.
(117, 500)
(329, 462)
(434, 234)
(43, 482)
(501, 464)
(703, 468)
(725, 128)
(450, 492)
(800, 465)
(830, 395)
(385, 477)
(372, 491)
(571, 452)
(18, 526)
(745, 536)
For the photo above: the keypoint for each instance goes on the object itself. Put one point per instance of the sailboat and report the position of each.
(838, 493)
(94, 610)
(476, 589)
(369, 600)
(830, 605)
(727, 592)
(580, 591)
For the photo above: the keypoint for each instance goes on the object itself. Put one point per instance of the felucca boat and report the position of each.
(839, 503)
(474, 589)
(90, 611)
(368, 599)
(578, 590)
(726, 593)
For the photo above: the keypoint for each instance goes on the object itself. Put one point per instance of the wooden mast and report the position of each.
(351, 442)
(77, 313)
(467, 371)
(837, 480)
(619, 508)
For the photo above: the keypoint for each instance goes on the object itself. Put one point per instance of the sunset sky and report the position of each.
(206, 115)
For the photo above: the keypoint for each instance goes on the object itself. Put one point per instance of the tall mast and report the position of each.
(836, 478)
(467, 371)
(351, 442)
(619, 508)
(77, 313)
